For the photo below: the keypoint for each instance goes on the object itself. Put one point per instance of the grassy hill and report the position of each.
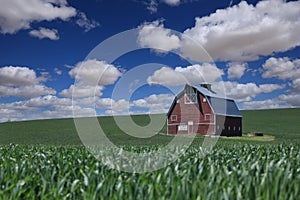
(281, 123)
(284, 124)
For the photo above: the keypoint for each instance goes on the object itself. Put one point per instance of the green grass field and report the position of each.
(44, 159)
(281, 124)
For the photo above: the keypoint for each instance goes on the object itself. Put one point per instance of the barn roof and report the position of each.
(220, 104)
(223, 106)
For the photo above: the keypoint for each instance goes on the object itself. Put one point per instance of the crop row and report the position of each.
(227, 172)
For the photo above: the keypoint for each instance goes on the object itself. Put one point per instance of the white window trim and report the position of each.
(191, 93)
(205, 117)
(173, 120)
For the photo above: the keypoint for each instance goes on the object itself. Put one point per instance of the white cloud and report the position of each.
(166, 76)
(283, 101)
(270, 26)
(93, 72)
(15, 75)
(48, 100)
(152, 5)
(58, 71)
(22, 82)
(65, 112)
(236, 70)
(172, 2)
(91, 77)
(154, 35)
(19, 14)
(244, 92)
(291, 99)
(282, 68)
(51, 34)
(85, 23)
(265, 104)
(157, 103)
(113, 105)
(25, 91)
(42, 107)
(296, 85)
(180, 75)
(82, 90)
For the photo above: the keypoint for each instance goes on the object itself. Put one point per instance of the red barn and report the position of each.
(199, 110)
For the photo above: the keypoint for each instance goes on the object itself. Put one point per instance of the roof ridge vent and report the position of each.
(207, 86)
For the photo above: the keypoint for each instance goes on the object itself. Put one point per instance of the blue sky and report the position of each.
(45, 46)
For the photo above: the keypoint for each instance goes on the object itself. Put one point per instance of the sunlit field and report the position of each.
(45, 159)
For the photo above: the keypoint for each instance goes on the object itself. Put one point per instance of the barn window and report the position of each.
(177, 101)
(173, 118)
(218, 127)
(229, 128)
(190, 96)
(239, 128)
(207, 116)
(204, 99)
(234, 128)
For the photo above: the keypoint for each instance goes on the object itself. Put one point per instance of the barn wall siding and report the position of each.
(229, 126)
(191, 112)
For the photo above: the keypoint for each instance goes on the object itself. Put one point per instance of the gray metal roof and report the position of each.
(220, 104)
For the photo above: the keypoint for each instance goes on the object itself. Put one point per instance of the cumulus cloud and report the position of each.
(58, 71)
(156, 103)
(91, 77)
(42, 107)
(296, 85)
(291, 99)
(166, 76)
(81, 90)
(113, 106)
(152, 5)
(17, 14)
(270, 26)
(283, 101)
(244, 92)
(16, 75)
(154, 35)
(48, 100)
(25, 91)
(236, 70)
(172, 2)
(42, 33)
(93, 72)
(180, 75)
(110, 106)
(22, 82)
(85, 23)
(284, 69)
(265, 104)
